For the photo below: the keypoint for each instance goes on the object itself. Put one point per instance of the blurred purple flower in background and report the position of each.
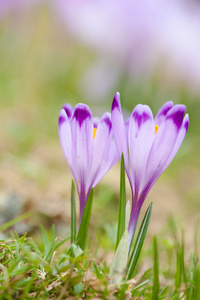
(140, 38)
(16, 6)
(88, 146)
(149, 145)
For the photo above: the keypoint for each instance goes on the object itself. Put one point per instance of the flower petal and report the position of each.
(95, 122)
(119, 130)
(64, 130)
(68, 109)
(141, 136)
(102, 141)
(161, 115)
(163, 145)
(105, 150)
(82, 142)
(179, 140)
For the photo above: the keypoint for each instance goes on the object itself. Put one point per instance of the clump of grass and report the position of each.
(55, 269)
(51, 271)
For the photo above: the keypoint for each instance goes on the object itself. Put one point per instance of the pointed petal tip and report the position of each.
(161, 115)
(107, 120)
(81, 113)
(177, 114)
(68, 109)
(116, 102)
(62, 117)
(186, 122)
(166, 107)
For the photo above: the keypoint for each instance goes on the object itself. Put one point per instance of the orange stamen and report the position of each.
(94, 133)
(156, 128)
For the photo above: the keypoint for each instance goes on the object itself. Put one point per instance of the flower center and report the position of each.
(94, 132)
(156, 128)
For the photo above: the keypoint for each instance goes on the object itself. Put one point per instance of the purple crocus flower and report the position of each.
(88, 146)
(149, 145)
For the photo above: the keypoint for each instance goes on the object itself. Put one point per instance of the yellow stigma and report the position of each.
(156, 128)
(94, 133)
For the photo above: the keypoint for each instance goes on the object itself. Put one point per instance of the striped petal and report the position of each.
(163, 145)
(64, 130)
(101, 143)
(82, 154)
(179, 140)
(68, 109)
(105, 150)
(161, 115)
(119, 131)
(141, 136)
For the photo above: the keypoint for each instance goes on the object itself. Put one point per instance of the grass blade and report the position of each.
(139, 242)
(191, 274)
(49, 243)
(73, 213)
(83, 229)
(178, 269)
(122, 204)
(155, 271)
(52, 244)
(45, 240)
(62, 242)
(16, 220)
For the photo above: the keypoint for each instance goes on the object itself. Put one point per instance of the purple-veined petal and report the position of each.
(119, 131)
(111, 156)
(141, 136)
(68, 109)
(95, 122)
(64, 130)
(127, 129)
(161, 115)
(179, 140)
(82, 155)
(101, 144)
(163, 145)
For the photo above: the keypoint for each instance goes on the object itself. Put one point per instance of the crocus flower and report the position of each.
(88, 146)
(149, 145)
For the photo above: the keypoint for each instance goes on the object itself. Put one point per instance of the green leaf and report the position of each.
(155, 271)
(191, 274)
(79, 288)
(122, 204)
(6, 275)
(16, 220)
(119, 262)
(62, 242)
(128, 213)
(178, 269)
(45, 240)
(49, 243)
(83, 229)
(76, 250)
(139, 242)
(73, 213)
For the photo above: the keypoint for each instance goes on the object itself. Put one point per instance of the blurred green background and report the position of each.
(41, 67)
